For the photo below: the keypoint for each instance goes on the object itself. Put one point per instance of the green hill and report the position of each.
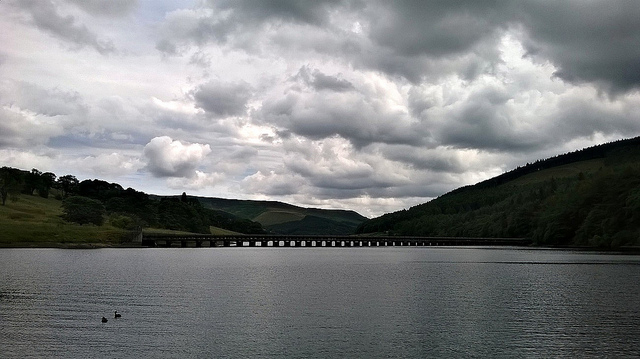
(33, 221)
(283, 218)
(42, 210)
(589, 197)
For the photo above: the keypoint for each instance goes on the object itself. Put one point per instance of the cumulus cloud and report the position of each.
(374, 112)
(27, 160)
(169, 158)
(21, 129)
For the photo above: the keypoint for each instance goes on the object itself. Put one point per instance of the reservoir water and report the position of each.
(318, 303)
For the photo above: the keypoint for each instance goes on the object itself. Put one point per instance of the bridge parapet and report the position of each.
(197, 240)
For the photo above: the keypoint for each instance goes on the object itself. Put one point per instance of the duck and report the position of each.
(116, 314)
(104, 320)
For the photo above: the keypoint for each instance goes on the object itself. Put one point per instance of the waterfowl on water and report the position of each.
(116, 315)
(104, 320)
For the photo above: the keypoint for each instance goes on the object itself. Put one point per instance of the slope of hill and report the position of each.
(33, 221)
(589, 197)
(283, 218)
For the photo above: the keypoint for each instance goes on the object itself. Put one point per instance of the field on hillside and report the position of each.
(569, 170)
(34, 221)
(278, 217)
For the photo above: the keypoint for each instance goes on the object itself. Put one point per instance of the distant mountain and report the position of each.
(589, 197)
(282, 218)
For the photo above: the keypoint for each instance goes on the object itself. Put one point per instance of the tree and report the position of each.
(68, 184)
(32, 181)
(47, 180)
(10, 182)
(83, 210)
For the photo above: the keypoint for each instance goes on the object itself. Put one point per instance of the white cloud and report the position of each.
(169, 158)
(108, 165)
(199, 181)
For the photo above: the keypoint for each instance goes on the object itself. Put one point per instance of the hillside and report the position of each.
(283, 218)
(37, 210)
(33, 221)
(44, 210)
(589, 197)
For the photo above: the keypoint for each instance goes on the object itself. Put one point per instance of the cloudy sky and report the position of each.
(368, 105)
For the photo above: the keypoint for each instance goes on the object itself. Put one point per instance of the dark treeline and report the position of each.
(600, 207)
(89, 201)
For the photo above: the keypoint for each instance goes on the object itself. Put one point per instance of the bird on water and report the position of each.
(116, 314)
(104, 320)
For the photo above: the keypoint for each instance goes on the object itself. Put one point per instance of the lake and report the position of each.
(318, 303)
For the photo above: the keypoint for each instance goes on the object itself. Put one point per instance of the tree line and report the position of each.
(94, 201)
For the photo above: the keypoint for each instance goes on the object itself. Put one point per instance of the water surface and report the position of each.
(318, 302)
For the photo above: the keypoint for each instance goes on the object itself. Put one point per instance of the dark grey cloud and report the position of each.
(581, 117)
(352, 116)
(483, 121)
(595, 41)
(222, 99)
(436, 28)
(243, 20)
(46, 17)
(423, 159)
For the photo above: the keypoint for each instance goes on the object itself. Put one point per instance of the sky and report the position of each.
(367, 105)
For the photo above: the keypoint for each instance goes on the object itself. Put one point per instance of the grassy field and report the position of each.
(33, 221)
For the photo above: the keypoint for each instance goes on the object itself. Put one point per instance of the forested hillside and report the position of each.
(589, 197)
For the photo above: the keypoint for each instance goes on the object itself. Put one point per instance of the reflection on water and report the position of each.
(328, 302)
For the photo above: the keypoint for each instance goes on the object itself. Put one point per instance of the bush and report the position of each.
(122, 221)
(83, 210)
